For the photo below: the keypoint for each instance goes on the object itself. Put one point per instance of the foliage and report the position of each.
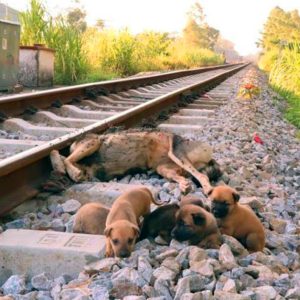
(197, 32)
(63, 37)
(97, 53)
(281, 57)
(34, 24)
(76, 18)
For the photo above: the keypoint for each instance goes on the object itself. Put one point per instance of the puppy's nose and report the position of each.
(124, 253)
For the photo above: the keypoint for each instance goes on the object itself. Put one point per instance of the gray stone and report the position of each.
(293, 293)
(149, 291)
(202, 267)
(71, 294)
(265, 292)
(221, 295)
(178, 245)
(58, 225)
(163, 288)
(226, 257)
(43, 281)
(164, 273)
(128, 274)
(133, 298)
(167, 253)
(14, 285)
(103, 265)
(230, 286)
(196, 254)
(171, 264)
(145, 268)
(71, 206)
(278, 225)
(193, 283)
(236, 247)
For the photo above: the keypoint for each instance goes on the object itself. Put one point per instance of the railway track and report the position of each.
(34, 124)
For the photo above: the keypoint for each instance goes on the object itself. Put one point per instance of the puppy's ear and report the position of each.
(236, 196)
(107, 231)
(136, 230)
(210, 192)
(198, 219)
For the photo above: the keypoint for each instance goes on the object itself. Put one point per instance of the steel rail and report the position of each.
(22, 174)
(15, 105)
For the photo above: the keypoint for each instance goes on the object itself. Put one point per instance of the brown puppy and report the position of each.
(237, 220)
(198, 226)
(91, 219)
(122, 224)
(163, 219)
(110, 155)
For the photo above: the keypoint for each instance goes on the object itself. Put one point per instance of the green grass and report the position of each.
(292, 111)
(96, 75)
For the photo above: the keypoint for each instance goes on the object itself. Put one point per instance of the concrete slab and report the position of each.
(75, 112)
(186, 120)
(102, 192)
(58, 121)
(18, 145)
(32, 252)
(180, 128)
(15, 124)
(194, 112)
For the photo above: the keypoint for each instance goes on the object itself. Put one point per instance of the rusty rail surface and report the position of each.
(22, 175)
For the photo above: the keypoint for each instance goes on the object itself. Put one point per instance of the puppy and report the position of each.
(237, 220)
(163, 219)
(198, 226)
(91, 219)
(122, 224)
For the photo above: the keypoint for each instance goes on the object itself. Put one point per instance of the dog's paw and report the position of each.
(74, 173)
(185, 187)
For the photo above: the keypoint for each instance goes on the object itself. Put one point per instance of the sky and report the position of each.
(239, 21)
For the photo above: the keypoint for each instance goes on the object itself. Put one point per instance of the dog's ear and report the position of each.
(136, 230)
(236, 196)
(107, 231)
(198, 219)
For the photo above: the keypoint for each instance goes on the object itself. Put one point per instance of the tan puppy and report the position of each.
(122, 224)
(91, 219)
(237, 220)
(198, 226)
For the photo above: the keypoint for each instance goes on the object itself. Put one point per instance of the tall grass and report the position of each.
(285, 78)
(102, 53)
(38, 27)
(122, 53)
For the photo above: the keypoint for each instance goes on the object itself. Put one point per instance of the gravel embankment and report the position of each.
(267, 177)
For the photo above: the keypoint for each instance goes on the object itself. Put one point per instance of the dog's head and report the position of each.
(224, 199)
(190, 221)
(122, 236)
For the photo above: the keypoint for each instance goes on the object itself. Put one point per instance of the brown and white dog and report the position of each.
(122, 223)
(115, 154)
(236, 219)
(91, 219)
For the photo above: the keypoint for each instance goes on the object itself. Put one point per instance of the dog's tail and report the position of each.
(158, 203)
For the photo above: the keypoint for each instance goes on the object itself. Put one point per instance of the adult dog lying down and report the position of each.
(115, 154)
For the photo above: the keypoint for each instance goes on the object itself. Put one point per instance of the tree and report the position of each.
(76, 18)
(226, 48)
(280, 29)
(100, 24)
(197, 32)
